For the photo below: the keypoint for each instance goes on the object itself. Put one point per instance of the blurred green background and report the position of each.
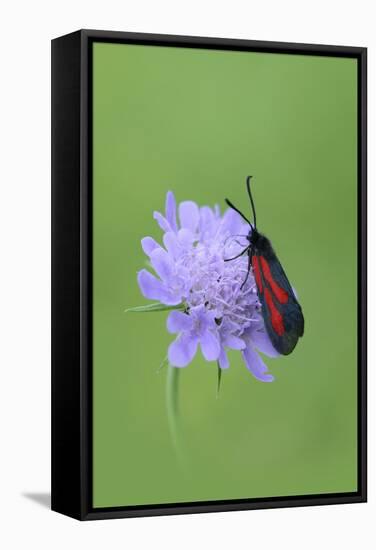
(197, 122)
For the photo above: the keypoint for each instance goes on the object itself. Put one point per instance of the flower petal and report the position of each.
(203, 318)
(148, 245)
(261, 341)
(189, 215)
(234, 342)
(162, 222)
(171, 210)
(186, 238)
(210, 346)
(182, 350)
(154, 289)
(233, 223)
(172, 244)
(223, 359)
(208, 223)
(256, 366)
(163, 264)
(177, 321)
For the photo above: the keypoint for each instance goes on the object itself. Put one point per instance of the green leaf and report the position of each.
(156, 306)
(219, 379)
(163, 364)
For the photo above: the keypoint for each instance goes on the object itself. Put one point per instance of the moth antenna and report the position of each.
(238, 211)
(251, 199)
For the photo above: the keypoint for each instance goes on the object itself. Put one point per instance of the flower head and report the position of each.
(218, 312)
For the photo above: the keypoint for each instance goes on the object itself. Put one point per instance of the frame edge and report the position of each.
(65, 275)
(70, 175)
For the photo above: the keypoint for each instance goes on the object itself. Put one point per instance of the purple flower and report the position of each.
(197, 327)
(216, 313)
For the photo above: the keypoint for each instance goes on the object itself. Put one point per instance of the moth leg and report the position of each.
(250, 254)
(232, 237)
(238, 256)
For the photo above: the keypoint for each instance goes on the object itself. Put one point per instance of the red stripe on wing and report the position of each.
(280, 293)
(275, 316)
(257, 273)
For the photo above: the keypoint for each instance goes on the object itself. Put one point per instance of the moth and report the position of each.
(281, 311)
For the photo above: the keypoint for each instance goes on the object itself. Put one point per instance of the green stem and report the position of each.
(172, 400)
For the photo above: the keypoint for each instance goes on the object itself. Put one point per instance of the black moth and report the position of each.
(281, 311)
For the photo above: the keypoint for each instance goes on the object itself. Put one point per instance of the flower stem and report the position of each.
(172, 400)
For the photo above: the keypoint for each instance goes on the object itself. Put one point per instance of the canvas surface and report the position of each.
(197, 122)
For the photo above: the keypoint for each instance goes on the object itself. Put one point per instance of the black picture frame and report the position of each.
(72, 273)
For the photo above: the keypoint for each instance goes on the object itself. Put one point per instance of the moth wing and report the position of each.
(295, 314)
(281, 311)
